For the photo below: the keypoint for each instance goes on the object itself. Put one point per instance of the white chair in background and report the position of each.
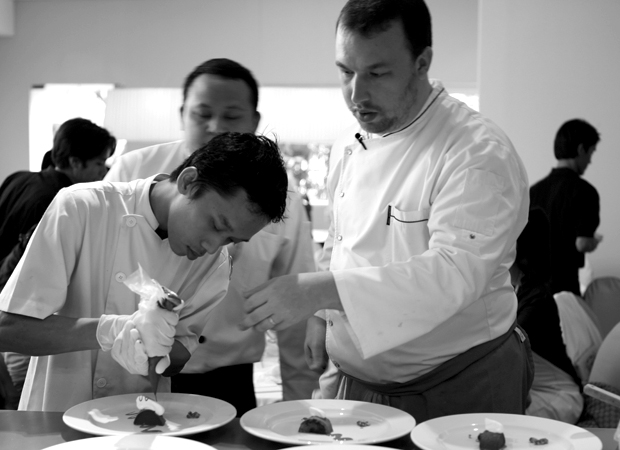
(580, 332)
(605, 374)
(603, 296)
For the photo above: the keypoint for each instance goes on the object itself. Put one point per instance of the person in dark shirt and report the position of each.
(79, 153)
(570, 203)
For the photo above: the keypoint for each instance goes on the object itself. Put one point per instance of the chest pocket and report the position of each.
(408, 233)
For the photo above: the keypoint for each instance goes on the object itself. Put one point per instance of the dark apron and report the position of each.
(493, 377)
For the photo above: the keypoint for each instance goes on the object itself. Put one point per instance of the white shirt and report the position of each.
(423, 230)
(92, 237)
(278, 249)
(144, 162)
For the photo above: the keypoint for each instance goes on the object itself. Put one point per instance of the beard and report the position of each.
(391, 117)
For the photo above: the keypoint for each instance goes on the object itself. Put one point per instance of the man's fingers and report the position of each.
(162, 365)
(251, 292)
(251, 304)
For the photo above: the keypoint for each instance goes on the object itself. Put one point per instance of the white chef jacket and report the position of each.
(92, 237)
(144, 162)
(423, 229)
(278, 249)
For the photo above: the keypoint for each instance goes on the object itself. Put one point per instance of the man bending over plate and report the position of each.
(66, 304)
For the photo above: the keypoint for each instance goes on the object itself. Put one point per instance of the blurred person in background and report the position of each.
(221, 95)
(570, 203)
(79, 153)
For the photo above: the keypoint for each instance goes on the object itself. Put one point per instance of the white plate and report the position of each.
(461, 431)
(349, 447)
(353, 422)
(213, 414)
(132, 442)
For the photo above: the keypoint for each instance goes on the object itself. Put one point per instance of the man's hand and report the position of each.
(587, 244)
(128, 350)
(156, 327)
(286, 300)
(314, 347)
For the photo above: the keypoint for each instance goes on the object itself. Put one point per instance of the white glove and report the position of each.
(156, 327)
(128, 350)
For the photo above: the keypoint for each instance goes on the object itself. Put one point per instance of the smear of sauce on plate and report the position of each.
(100, 417)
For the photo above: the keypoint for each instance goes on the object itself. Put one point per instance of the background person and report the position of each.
(80, 150)
(427, 200)
(221, 95)
(570, 203)
(94, 235)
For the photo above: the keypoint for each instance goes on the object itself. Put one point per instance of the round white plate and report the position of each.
(353, 422)
(132, 442)
(461, 431)
(349, 447)
(214, 413)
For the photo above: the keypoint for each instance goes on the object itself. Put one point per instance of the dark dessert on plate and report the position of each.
(151, 413)
(317, 423)
(492, 438)
(149, 418)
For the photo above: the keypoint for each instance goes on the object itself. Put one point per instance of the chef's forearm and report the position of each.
(50, 336)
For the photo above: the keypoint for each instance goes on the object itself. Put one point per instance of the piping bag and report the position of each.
(152, 293)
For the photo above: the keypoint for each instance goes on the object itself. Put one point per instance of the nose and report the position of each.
(213, 245)
(358, 90)
(216, 125)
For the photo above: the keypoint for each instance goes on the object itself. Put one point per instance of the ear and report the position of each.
(185, 180)
(256, 120)
(75, 163)
(581, 150)
(423, 61)
(181, 109)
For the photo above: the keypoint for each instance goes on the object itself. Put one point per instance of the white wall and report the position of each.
(155, 43)
(544, 62)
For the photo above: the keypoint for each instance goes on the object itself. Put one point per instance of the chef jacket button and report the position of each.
(349, 152)
(342, 194)
(131, 222)
(331, 324)
(120, 277)
(339, 237)
(101, 382)
(202, 339)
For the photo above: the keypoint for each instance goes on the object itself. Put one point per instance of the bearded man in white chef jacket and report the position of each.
(414, 305)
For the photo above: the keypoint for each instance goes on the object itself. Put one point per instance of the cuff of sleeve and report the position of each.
(104, 328)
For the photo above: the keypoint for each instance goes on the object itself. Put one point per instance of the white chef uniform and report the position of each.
(423, 232)
(79, 257)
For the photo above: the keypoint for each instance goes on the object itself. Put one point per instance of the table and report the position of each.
(29, 430)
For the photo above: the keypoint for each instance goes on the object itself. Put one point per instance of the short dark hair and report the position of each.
(368, 17)
(231, 161)
(570, 135)
(224, 68)
(82, 139)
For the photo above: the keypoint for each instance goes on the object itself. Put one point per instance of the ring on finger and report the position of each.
(272, 322)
